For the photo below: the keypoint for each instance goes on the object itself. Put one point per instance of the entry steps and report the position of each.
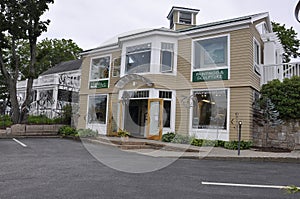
(136, 143)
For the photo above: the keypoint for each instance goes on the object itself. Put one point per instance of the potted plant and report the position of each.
(123, 134)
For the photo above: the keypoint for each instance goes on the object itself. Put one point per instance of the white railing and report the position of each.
(279, 71)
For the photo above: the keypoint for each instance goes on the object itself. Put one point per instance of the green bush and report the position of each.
(201, 142)
(182, 139)
(39, 119)
(168, 137)
(197, 142)
(87, 133)
(67, 130)
(233, 145)
(5, 121)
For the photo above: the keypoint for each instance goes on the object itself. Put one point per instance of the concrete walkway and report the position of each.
(170, 150)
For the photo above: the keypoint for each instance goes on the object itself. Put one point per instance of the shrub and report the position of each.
(182, 139)
(87, 133)
(67, 130)
(5, 121)
(197, 142)
(168, 137)
(39, 119)
(233, 145)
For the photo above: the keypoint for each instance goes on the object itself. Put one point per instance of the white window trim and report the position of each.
(97, 125)
(215, 67)
(258, 65)
(110, 67)
(211, 134)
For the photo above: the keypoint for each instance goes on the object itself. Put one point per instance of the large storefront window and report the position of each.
(138, 58)
(210, 109)
(97, 109)
(100, 68)
(211, 52)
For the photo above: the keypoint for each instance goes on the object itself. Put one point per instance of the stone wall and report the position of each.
(30, 130)
(285, 136)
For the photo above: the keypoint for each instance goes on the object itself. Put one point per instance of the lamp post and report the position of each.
(240, 134)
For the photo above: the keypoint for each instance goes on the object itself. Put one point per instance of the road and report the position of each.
(59, 168)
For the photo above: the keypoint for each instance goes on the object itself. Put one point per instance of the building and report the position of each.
(189, 79)
(53, 89)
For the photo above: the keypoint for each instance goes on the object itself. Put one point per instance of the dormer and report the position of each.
(181, 18)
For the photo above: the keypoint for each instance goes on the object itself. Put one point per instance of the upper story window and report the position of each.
(100, 68)
(212, 52)
(257, 57)
(138, 58)
(167, 57)
(185, 17)
(116, 67)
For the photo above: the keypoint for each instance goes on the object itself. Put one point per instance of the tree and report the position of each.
(288, 38)
(49, 53)
(20, 20)
(285, 96)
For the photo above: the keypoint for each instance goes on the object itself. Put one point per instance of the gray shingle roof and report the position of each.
(64, 67)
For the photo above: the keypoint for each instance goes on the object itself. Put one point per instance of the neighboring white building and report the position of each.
(53, 89)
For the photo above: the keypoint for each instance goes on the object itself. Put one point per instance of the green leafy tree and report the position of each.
(285, 96)
(49, 53)
(20, 20)
(288, 38)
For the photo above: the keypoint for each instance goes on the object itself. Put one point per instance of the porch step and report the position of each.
(134, 143)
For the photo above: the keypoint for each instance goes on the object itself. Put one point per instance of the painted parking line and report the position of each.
(17, 141)
(244, 185)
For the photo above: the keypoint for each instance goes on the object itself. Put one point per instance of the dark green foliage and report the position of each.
(201, 142)
(5, 121)
(233, 145)
(87, 133)
(168, 137)
(67, 131)
(197, 142)
(284, 95)
(40, 119)
(288, 38)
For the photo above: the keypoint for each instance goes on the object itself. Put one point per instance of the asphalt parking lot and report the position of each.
(59, 168)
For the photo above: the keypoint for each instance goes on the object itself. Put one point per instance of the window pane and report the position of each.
(100, 68)
(97, 109)
(211, 52)
(167, 114)
(210, 112)
(185, 18)
(138, 62)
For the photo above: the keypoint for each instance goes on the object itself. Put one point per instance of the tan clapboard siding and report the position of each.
(241, 102)
(184, 58)
(82, 111)
(240, 57)
(182, 113)
(85, 72)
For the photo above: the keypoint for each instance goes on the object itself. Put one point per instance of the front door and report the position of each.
(155, 119)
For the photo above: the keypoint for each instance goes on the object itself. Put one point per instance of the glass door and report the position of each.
(155, 119)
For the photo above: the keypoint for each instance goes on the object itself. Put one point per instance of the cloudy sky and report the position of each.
(92, 22)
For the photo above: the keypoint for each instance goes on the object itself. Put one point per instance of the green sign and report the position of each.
(210, 75)
(99, 84)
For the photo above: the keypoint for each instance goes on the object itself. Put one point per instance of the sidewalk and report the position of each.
(170, 150)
